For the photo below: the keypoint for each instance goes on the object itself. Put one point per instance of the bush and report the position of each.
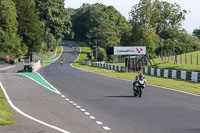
(101, 54)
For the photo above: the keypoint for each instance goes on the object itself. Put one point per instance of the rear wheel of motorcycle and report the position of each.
(139, 92)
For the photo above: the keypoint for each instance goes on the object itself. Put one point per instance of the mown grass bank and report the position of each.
(165, 82)
(6, 116)
(188, 62)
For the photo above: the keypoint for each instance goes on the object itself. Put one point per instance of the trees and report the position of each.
(153, 21)
(9, 40)
(30, 27)
(196, 32)
(104, 34)
(88, 17)
(169, 23)
(142, 21)
(55, 20)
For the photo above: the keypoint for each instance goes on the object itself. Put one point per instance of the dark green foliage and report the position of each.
(104, 34)
(196, 32)
(30, 27)
(56, 20)
(89, 16)
(9, 40)
(101, 54)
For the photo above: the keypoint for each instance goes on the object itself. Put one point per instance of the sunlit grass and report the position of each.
(188, 63)
(6, 116)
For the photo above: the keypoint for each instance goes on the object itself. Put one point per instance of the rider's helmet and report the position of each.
(140, 75)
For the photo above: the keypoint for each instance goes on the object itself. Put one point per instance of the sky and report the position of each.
(124, 7)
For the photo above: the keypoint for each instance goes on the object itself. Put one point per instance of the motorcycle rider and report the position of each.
(139, 76)
(62, 61)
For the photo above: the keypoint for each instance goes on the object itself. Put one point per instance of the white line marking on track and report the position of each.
(99, 122)
(28, 116)
(87, 113)
(92, 117)
(78, 107)
(83, 110)
(106, 128)
(62, 96)
(67, 99)
(74, 104)
(71, 101)
(41, 84)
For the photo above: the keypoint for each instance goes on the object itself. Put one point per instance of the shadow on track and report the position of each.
(131, 96)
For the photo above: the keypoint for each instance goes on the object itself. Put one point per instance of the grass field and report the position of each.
(6, 117)
(165, 82)
(189, 62)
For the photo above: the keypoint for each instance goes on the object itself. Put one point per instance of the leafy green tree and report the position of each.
(30, 27)
(196, 32)
(101, 54)
(55, 18)
(169, 23)
(104, 34)
(143, 32)
(9, 40)
(88, 17)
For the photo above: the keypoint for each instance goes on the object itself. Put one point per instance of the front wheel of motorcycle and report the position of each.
(139, 91)
(134, 92)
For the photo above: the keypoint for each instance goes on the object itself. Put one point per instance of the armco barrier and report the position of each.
(108, 66)
(175, 74)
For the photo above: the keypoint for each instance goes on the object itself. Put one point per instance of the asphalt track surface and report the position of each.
(111, 101)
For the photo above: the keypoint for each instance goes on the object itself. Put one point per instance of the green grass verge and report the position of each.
(165, 82)
(168, 63)
(6, 117)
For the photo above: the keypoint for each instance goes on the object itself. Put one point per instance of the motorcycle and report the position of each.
(137, 88)
(61, 62)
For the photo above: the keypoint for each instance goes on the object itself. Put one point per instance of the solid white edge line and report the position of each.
(28, 116)
(41, 84)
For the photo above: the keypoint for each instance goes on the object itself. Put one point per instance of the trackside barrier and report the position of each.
(175, 74)
(108, 66)
(37, 65)
(47, 58)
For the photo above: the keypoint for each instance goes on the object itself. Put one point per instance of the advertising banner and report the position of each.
(134, 50)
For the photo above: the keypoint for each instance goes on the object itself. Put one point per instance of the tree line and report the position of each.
(32, 25)
(154, 24)
(39, 25)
